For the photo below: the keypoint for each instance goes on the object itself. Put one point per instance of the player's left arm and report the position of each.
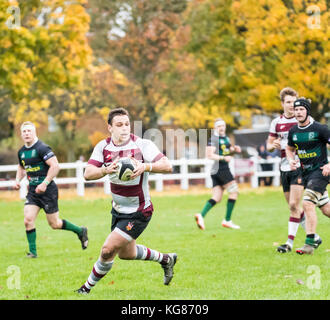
(235, 149)
(326, 170)
(154, 160)
(163, 165)
(53, 171)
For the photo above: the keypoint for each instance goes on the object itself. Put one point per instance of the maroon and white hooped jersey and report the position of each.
(279, 128)
(133, 195)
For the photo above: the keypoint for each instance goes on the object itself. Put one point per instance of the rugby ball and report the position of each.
(125, 168)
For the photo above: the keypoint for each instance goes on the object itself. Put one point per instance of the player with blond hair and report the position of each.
(38, 162)
(220, 150)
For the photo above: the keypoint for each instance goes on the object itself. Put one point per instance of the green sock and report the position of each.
(31, 237)
(310, 239)
(209, 204)
(67, 225)
(230, 207)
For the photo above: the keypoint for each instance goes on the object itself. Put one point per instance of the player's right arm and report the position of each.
(20, 174)
(95, 168)
(273, 143)
(93, 173)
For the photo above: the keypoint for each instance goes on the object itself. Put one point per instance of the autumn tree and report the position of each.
(204, 80)
(287, 44)
(242, 53)
(67, 106)
(133, 36)
(44, 51)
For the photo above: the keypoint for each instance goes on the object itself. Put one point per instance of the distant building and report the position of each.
(256, 135)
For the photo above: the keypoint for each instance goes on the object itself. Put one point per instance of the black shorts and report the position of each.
(289, 178)
(132, 224)
(47, 200)
(222, 177)
(315, 180)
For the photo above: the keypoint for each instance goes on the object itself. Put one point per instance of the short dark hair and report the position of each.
(117, 112)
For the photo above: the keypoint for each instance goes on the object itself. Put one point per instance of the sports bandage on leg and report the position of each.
(232, 188)
(324, 199)
(312, 196)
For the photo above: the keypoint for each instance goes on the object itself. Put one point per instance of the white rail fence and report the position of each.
(184, 176)
(240, 168)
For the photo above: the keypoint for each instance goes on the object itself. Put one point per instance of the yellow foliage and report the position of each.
(283, 50)
(104, 112)
(39, 60)
(96, 137)
(30, 110)
(196, 116)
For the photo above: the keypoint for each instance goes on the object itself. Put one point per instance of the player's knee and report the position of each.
(233, 195)
(326, 209)
(308, 205)
(28, 222)
(55, 224)
(107, 252)
(294, 206)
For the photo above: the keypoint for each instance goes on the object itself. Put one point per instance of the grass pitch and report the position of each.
(214, 264)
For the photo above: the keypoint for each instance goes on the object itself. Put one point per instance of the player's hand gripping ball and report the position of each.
(125, 168)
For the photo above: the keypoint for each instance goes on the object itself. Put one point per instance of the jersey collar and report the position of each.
(311, 121)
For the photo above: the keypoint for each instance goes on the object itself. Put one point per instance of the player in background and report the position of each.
(291, 180)
(220, 150)
(131, 204)
(39, 163)
(308, 139)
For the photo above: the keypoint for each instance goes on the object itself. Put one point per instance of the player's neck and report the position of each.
(305, 123)
(221, 135)
(288, 115)
(30, 144)
(119, 142)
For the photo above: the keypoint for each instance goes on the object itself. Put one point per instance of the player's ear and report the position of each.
(110, 128)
